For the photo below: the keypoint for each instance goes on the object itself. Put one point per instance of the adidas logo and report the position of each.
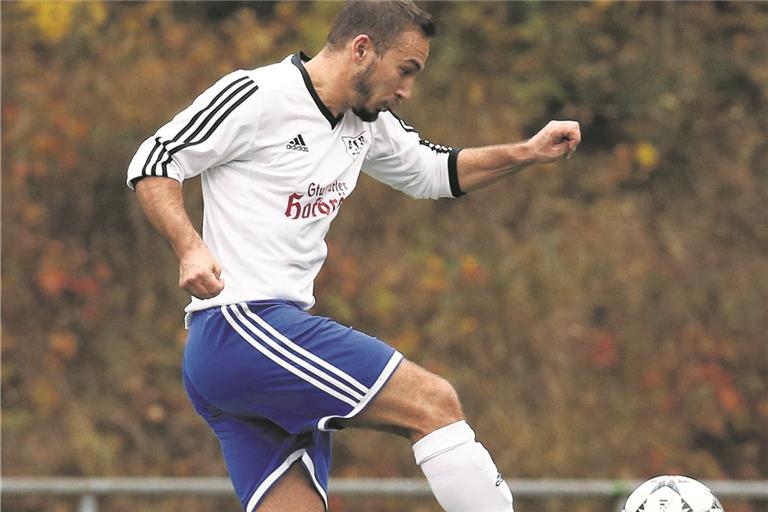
(298, 144)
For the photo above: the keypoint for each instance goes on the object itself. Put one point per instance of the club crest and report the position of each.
(354, 145)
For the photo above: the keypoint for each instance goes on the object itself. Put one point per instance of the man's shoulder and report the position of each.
(276, 77)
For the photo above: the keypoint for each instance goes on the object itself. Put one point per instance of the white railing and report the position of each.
(90, 489)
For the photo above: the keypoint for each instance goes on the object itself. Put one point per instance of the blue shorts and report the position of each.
(271, 380)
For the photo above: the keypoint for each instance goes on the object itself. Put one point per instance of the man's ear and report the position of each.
(362, 49)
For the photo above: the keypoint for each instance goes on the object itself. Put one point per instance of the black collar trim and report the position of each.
(298, 60)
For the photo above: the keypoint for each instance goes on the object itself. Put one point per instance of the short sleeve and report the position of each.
(218, 127)
(400, 158)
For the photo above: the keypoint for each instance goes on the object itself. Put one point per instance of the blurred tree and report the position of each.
(602, 319)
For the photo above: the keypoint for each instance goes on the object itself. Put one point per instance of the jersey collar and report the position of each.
(298, 60)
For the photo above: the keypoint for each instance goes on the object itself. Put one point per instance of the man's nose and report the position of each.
(405, 90)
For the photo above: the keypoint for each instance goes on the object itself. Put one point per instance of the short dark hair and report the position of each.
(382, 20)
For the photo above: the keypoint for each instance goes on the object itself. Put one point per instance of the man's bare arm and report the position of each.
(163, 204)
(478, 167)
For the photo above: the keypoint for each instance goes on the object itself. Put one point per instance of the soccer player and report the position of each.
(279, 149)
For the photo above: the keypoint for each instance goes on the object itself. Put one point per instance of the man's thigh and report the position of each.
(412, 403)
(292, 492)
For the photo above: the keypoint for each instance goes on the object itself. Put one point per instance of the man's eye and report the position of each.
(405, 72)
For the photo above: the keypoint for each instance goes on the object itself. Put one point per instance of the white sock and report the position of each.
(460, 471)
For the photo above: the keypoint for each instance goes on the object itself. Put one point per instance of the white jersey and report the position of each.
(276, 167)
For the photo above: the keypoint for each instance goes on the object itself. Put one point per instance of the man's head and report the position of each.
(382, 20)
(387, 43)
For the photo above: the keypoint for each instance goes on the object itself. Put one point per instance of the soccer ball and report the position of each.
(670, 493)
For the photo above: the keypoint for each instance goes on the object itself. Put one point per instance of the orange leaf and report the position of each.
(471, 271)
(51, 282)
(63, 344)
(155, 413)
(730, 398)
(84, 286)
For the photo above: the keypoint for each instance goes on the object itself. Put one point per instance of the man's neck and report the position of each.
(329, 80)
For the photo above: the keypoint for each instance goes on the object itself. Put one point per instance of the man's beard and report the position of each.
(363, 89)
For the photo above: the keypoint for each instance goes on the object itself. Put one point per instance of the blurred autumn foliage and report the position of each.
(605, 317)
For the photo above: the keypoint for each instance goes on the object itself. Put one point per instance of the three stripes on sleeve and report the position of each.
(201, 125)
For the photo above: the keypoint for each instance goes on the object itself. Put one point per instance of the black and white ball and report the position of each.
(672, 493)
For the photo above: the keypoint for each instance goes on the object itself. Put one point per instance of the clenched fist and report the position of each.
(556, 140)
(200, 273)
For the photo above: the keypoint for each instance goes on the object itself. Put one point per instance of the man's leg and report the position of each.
(293, 491)
(413, 403)
(425, 408)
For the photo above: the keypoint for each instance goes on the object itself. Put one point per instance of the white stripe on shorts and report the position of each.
(282, 362)
(384, 376)
(307, 460)
(272, 478)
(309, 355)
(294, 357)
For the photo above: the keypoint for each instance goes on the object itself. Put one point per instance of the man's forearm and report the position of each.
(163, 204)
(478, 167)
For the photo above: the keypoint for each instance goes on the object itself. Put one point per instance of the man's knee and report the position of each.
(439, 403)
(443, 395)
